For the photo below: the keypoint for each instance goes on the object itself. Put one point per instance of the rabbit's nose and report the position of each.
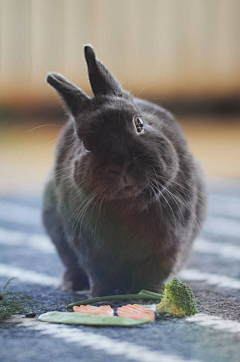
(124, 178)
(126, 181)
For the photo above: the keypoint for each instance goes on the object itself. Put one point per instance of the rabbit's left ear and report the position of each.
(74, 98)
(102, 81)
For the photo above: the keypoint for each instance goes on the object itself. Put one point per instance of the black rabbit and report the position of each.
(126, 198)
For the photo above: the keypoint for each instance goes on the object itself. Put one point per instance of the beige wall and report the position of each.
(160, 48)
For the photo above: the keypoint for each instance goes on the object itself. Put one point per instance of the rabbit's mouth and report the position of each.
(130, 191)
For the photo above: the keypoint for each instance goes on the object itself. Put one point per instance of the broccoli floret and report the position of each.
(178, 300)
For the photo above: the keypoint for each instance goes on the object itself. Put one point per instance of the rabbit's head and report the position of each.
(120, 151)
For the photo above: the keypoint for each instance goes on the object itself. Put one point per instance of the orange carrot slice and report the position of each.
(90, 309)
(134, 311)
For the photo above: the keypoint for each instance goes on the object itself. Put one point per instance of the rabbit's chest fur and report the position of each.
(105, 232)
(109, 233)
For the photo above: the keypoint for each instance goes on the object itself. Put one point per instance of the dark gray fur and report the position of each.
(110, 239)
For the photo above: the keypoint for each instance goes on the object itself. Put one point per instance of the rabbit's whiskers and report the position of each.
(43, 125)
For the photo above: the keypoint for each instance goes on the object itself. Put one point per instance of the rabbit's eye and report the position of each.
(138, 123)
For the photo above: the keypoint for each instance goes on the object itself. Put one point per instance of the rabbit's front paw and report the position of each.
(74, 281)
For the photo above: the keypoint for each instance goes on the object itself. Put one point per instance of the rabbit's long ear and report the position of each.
(102, 81)
(73, 96)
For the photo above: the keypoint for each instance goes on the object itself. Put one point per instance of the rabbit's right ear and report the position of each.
(73, 97)
(102, 81)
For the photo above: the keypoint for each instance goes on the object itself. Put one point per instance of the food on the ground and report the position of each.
(178, 300)
(103, 310)
(13, 302)
(143, 294)
(135, 311)
(89, 319)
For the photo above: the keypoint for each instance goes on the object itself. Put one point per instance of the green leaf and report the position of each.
(89, 319)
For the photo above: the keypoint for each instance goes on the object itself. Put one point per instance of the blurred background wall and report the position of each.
(182, 54)
(168, 48)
